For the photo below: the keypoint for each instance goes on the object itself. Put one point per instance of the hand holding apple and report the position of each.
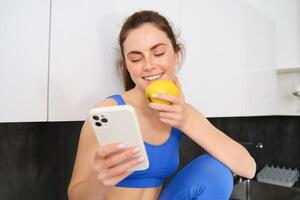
(169, 102)
(161, 87)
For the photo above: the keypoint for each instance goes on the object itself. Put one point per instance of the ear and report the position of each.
(178, 57)
(178, 61)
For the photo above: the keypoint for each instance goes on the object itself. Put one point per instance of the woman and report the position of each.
(150, 52)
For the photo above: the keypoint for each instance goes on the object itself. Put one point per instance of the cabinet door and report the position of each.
(259, 62)
(24, 38)
(84, 52)
(212, 73)
(168, 8)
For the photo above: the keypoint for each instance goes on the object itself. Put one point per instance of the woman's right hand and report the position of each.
(113, 161)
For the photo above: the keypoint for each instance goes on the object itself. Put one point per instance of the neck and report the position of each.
(137, 98)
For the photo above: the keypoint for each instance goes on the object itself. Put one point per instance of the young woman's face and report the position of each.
(149, 55)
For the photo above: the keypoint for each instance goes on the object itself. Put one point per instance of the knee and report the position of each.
(204, 177)
(215, 174)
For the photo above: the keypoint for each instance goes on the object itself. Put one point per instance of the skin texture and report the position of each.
(148, 53)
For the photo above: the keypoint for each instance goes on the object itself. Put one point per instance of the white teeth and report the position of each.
(151, 78)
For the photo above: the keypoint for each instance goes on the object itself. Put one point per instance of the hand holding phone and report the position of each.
(113, 163)
(119, 124)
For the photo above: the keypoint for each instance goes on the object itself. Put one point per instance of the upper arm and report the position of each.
(87, 147)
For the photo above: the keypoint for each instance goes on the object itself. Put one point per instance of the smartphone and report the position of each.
(119, 124)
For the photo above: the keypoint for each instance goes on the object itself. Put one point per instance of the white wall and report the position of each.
(287, 102)
(286, 16)
(24, 39)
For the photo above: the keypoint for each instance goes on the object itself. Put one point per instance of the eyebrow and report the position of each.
(138, 52)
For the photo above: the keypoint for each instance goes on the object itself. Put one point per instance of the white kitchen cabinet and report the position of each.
(285, 15)
(230, 66)
(288, 80)
(228, 70)
(24, 38)
(212, 74)
(84, 51)
(259, 62)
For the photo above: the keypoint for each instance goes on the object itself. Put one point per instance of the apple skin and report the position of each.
(161, 87)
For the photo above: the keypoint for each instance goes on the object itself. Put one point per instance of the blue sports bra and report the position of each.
(163, 160)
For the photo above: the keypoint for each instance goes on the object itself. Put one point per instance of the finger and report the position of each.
(121, 157)
(117, 170)
(161, 107)
(124, 175)
(113, 181)
(105, 150)
(176, 81)
(166, 97)
(168, 115)
(168, 121)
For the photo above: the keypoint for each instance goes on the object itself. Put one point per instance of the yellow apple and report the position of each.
(161, 87)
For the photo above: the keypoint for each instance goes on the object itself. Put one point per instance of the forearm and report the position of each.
(90, 189)
(218, 144)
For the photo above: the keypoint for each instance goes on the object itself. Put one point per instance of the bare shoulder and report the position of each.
(106, 102)
(87, 134)
(87, 128)
(87, 147)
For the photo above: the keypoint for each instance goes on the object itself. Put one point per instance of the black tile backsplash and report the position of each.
(280, 137)
(36, 159)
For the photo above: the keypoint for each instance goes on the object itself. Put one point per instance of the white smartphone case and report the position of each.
(119, 124)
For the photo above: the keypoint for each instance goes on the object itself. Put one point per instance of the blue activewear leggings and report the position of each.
(203, 178)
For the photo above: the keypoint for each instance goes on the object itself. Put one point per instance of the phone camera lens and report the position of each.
(104, 120)
(98, 124)
(95, 117)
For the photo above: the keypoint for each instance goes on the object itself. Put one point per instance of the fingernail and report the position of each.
(121, 146)
(150, 105)
(135, 150)
(140, 159)
(154, 95)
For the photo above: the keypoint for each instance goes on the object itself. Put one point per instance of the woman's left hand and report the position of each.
(174, 114)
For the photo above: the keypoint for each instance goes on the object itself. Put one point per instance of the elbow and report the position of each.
(69, 192)
(246, 168)
(251, 169)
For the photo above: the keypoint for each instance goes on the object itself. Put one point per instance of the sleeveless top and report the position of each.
(163, 160)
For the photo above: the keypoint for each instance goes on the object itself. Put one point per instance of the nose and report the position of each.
(148, 64)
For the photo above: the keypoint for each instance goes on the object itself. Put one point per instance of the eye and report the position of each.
(159, 54)
(136, 60)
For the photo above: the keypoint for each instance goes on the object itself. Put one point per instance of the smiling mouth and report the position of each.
(151, 78)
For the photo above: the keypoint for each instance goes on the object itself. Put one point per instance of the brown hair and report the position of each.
(136, 20)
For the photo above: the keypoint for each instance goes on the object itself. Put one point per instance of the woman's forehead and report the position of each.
(144, 37)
